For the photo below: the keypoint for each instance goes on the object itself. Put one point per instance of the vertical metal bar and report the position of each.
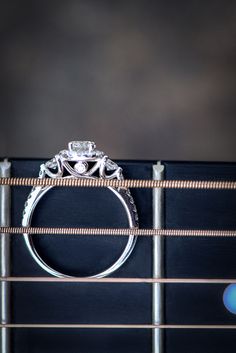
(5, 168)
(157, 289)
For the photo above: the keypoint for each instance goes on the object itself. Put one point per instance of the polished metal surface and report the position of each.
(81, 160)
(5, 167)
(157, 293)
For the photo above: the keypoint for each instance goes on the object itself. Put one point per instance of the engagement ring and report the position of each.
(80, 160)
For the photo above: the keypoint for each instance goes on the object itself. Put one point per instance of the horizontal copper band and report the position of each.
(120, 326)
(118, 280)
(128, 183)
(119, 231)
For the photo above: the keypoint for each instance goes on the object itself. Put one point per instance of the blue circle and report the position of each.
(229, 298)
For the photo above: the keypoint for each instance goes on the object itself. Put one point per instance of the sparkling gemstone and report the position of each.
(64, 154)
(52, 164)
(131, 200)
(99, 154)
(111, 165)
(81, 167)
(82, 147)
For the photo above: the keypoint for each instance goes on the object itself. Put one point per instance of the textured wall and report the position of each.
(144, 79)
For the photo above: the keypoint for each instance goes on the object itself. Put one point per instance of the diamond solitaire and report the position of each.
(82, 147)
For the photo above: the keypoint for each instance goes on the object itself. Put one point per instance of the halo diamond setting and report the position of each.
(81, 160)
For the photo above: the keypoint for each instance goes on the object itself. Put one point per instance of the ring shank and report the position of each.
(36, 195)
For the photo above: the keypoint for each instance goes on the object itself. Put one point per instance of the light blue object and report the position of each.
(229, 298)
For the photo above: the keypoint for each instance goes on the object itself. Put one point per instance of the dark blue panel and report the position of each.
(82, 303)
(199, 257)
(126, 303)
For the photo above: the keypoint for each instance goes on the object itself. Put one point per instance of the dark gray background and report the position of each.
(143, 79)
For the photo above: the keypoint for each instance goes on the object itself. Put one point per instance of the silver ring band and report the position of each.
(81, 160)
